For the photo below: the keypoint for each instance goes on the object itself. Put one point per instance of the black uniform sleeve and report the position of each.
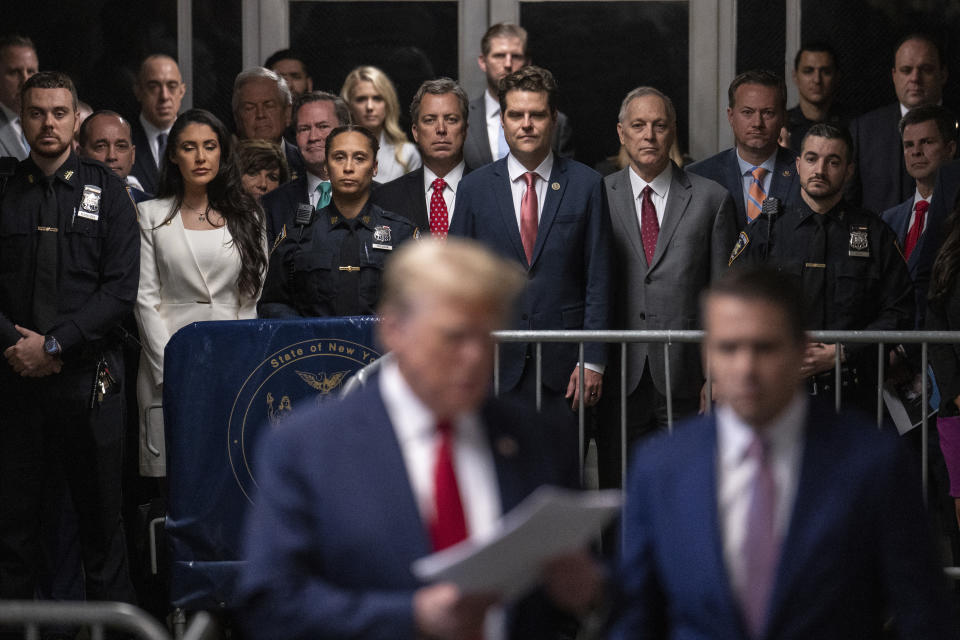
(276, 300)
(119, 273)
(898, 303)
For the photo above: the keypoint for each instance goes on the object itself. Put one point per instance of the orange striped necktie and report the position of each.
(756, 195)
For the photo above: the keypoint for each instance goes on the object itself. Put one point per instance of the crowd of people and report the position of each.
(116, 232)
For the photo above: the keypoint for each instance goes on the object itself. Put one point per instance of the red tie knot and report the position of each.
(922, 206)
(531, 179)
(647, 191)
(444, 427)
(439, 184)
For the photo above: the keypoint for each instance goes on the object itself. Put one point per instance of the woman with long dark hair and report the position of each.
(203, 257)
(943, 314)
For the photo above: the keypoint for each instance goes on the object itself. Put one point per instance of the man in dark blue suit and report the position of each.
(352, 492)
(159, 90)
(315, 115)
(756, 167)
(774, 518)
(929, 142)
(919, 74)
(549, 214)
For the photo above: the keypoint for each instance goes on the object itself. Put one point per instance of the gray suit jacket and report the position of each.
(476, 148)
(10, 144)
(698, 232)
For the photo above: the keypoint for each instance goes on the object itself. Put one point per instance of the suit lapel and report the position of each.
(677, 201)
(623, 209)
(416, 191)
(555, 189)
(734, 184)
(784, 170)
(479, 133)
(500, 188)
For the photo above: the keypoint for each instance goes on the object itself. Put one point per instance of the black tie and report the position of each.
(348, 276)
(45, 279)
(814, 272)
(161, 148)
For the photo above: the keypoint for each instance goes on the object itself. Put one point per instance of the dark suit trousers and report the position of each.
(646, 416)
(48, 428)
(561, 422)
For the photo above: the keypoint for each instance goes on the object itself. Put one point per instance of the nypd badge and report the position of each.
(381, 238)
(742, 241)
(859, 242)
(90, 202)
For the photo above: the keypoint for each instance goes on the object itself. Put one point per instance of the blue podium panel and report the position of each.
(225, 383)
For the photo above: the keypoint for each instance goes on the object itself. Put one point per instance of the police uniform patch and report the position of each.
(859, 242)
(90, 202)
(742, 241)
(381, 238)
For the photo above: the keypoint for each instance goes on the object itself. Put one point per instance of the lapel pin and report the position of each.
(786, 173)
(507, 446)
(555, 186)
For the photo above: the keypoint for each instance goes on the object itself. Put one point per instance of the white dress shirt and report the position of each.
(312, 183)
(449, 192)
(494, 125)
(518, 184)
(415, 427)
(661, 190)
(736, 472)
(13, 121)
(152, 132)
(746, 175)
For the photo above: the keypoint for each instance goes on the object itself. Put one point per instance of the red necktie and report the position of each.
(761, 549)
(449, 525)
(913, 236)
(528, 215)
(439, 219)
(649, 225)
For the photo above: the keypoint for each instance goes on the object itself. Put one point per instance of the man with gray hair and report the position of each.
(261, 109)
(315, 115)
(426, 196)
(672, 234)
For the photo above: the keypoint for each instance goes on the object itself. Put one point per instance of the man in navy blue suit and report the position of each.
(929, 142)
(549, 214)
(352, 492)
(756, 167)
(775, 518)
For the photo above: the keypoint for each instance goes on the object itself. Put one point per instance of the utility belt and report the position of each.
(826, 382)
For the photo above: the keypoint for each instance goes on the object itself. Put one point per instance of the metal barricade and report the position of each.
(667, 338)
(98, 617)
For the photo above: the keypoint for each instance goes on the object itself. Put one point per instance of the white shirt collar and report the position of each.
(452, 178)
(151, 130)
(769, 164)
(492, 105)
(783, 434)
(515, 169)
(660, 184)
(904, 109)
(313, 181)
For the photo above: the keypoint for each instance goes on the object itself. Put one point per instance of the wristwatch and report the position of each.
(51, 346)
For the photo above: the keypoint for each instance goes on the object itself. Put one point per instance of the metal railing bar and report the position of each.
(116, 615)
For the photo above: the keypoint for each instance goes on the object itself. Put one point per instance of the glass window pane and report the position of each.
(409, 41)
(217, 55)
(598, 51)
(100, 45)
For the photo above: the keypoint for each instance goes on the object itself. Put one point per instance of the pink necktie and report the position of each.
(528, 215)
(913, 236)
(439, 220)
(449, 525)
(761, 547)
(649, 225)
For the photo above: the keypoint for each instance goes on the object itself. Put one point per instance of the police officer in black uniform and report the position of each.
(846, 260)
(331, 262)
(69, 270)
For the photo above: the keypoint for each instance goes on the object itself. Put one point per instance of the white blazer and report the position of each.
(174, 293)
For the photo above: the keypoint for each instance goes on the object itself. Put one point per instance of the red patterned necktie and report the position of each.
(649, 225)
(439, 219)
(528, 215)
(913, 236)
(761, 549)
(449, 525)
